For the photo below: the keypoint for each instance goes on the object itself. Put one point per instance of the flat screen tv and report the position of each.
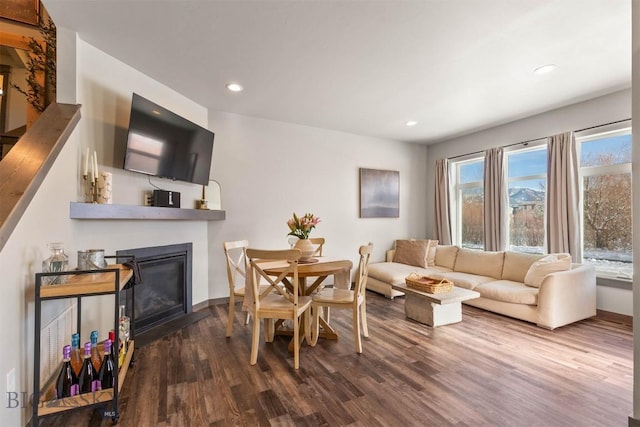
(163, 144)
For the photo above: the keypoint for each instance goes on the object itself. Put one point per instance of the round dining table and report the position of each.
(320, 268)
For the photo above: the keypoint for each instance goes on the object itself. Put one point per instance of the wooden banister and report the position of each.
(24, 168)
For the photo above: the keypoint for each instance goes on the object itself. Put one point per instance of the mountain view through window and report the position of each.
(527, 172)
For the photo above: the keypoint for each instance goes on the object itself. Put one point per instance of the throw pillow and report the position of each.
(431, 253)
(544, 266)
(411, 252)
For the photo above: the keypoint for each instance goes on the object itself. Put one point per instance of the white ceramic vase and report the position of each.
(306, 247)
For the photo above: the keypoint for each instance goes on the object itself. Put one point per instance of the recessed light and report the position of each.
(234, 87)
(545, 69)
(156, 112)
(411, 123)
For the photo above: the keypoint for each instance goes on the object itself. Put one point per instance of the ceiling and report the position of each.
(368, 67)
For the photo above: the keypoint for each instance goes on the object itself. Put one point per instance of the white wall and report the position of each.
(605, 109)
(104, 88)
(267, 170)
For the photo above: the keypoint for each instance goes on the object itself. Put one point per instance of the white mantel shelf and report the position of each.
(134, 212)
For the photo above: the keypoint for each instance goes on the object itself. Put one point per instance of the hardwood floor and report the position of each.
(488, 370)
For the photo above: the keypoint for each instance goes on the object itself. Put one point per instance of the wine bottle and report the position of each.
(95, 353)
(76, 354)
(112, 338)
(116, 348)
(67, 382)
(88, 378)
(107, 372)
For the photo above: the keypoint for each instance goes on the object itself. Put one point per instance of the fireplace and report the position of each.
(164, 296)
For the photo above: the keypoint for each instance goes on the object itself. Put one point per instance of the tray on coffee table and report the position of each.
(430, 285)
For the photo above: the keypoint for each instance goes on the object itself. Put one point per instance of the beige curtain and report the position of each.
(496, 204)
(563, 204)
(443, 215)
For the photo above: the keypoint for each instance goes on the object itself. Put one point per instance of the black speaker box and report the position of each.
(166, 199)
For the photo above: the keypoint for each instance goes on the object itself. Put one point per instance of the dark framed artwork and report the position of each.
(25, 11)
(379, 193)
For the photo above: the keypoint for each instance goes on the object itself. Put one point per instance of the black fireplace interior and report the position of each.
(165, 292)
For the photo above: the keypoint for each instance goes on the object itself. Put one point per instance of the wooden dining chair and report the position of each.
(346, 299)
(236, 260)
(317, 241)
(276, 302)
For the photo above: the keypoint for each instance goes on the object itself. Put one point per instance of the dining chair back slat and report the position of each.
(319, 242)
(362, 273)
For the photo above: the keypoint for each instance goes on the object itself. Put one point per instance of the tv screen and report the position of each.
(163, 144)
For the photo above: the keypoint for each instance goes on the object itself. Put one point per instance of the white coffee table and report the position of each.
(435, 309)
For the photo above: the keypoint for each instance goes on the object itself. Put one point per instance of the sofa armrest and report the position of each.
(567, 296)
(389, 255)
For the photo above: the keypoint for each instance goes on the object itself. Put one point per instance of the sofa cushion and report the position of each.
(446, 256)
(516, 265)
(508, 291)
(411, 252)
(431, 253)
(479, 262)
(464, 280)
(545, 266)
(394, 273)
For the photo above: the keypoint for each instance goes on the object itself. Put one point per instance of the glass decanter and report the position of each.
(57, 262)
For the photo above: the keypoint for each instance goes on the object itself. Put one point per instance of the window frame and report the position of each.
(458, 188)
(601, 132)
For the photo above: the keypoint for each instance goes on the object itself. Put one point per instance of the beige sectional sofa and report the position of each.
(549, 300)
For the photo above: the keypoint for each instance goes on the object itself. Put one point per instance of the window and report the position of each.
(606, 191)
(527, 181)
(469, 205)
(605, 175)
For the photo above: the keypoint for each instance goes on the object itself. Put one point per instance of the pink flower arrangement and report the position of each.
(302, 226)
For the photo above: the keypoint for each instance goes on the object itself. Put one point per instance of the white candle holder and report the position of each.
(90, 192)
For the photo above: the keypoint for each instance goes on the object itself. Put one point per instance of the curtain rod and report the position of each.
(599, 126)
(525, 143)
